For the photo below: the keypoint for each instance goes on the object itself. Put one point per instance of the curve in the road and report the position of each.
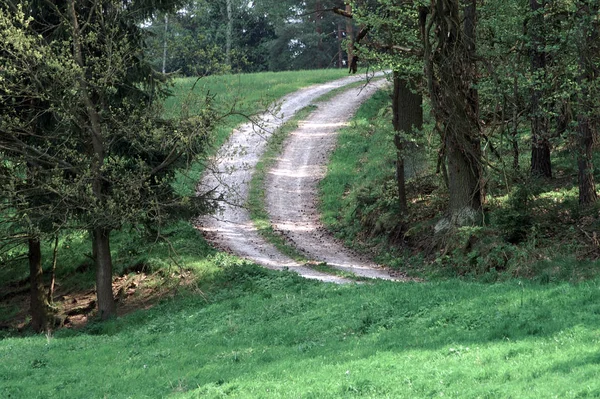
(292, 186)
(232, 229)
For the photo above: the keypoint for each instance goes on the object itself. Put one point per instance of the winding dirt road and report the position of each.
(292, 185)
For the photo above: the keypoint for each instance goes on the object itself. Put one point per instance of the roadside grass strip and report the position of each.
(256, 197)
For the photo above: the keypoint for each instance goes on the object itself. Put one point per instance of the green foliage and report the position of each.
(359, 193)
(533, 231)
(514, 218)
(274, 36)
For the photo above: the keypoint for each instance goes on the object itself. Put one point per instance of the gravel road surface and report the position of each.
(291, 187)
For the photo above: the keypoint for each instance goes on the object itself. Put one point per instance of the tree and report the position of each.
(117, 156)
(587, 121)
(540, 146)
(450, 70)
(212, 37)
(394, 44)
(407, 115)
(28, 141)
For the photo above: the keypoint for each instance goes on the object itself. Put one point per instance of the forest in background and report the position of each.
(233, 36)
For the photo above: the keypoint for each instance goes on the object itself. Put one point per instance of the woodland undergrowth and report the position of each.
(532, 228)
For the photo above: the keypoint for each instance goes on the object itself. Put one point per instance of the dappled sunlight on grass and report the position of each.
(258, 333)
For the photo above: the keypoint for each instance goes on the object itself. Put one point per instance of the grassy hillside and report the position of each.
(235, 97)
(252, 333)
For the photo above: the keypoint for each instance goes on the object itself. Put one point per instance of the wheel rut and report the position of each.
(291, 186)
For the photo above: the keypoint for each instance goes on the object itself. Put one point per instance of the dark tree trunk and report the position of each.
(53, 271)
(587, 187)
(349, 35)
(103, 260)
(319, 30)
(354, 61)
(515, 123)
(452, 79)
(339, 41)
(100, 236)
(588, 52)
(540, 157)
(41, 314)
(540, 146)
(407, 115)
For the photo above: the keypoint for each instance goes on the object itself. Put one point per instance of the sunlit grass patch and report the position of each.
(259, 333)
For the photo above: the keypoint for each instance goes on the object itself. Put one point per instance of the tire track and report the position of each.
(232, 229)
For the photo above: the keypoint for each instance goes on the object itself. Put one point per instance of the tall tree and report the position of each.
(31, 79)
(587, 120)
(407, 115)
(450, 65)
(117, 156)
(540, 145)
(395, 44)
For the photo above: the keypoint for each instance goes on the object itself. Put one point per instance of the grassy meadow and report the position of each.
(227, 328)
(253, 333)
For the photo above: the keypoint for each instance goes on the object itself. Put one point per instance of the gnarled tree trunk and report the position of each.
(451, 72)
(41, 315)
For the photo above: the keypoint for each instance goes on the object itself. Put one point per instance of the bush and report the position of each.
(514, 220)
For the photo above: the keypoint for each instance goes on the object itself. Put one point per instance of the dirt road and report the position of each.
(291, 188)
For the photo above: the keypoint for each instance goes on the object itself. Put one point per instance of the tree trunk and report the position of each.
(452, 71)
(339, 41)
(587, 54)
(407, 115)
(103, 260)
(164, 61)
(41, 315)
(587, 187)
(540, 146)
(319, 30)
(515, 124)
(349, 36)
(229, 36)
(53, 271)
(100, 236)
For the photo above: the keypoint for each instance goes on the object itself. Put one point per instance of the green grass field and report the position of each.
(262, 334)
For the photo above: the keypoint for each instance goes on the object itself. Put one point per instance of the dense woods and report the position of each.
(496, 91)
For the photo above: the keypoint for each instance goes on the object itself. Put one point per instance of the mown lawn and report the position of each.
(258, 333)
